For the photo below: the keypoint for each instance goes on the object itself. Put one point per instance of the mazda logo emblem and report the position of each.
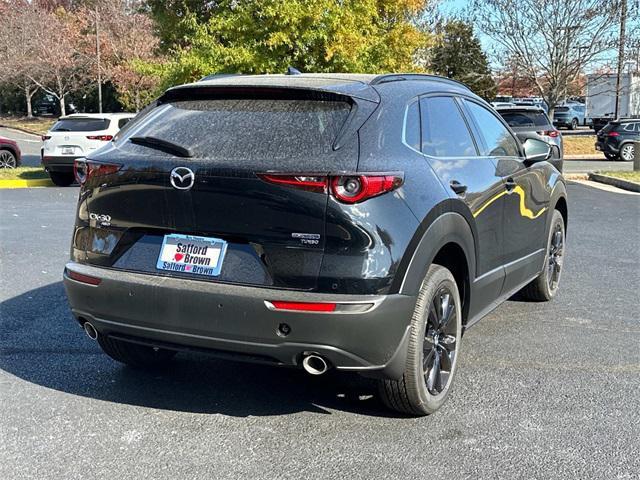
(182, 178)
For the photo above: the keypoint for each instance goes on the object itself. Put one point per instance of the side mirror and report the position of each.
(536, 150)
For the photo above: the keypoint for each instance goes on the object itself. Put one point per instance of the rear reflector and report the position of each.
(304, 306)
(79, 277)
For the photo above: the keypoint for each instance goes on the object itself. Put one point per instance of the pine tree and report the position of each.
(458, 55)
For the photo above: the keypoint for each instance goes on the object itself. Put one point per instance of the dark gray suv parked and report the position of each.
(355, 222)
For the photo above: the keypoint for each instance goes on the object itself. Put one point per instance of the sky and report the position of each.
(459, 8)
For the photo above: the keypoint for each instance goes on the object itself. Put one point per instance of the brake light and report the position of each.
(84, 169)
(550, 133)
(304, 306)
(354, 189)
(103, 138)
(45, 137)
(613, 134)
(311, 183)
(344, 188)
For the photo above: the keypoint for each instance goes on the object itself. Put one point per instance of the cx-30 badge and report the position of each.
(182, 178)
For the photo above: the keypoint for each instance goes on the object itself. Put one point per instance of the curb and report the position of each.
(588, 158)
(616, 182)
(41, 182)
(575, 176)
(23, 130)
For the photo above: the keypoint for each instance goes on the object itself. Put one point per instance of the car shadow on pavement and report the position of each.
(40, 342)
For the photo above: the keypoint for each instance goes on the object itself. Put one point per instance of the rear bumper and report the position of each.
(58, 164)
(234, 321)
(607, 147)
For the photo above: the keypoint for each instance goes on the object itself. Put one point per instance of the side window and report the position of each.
(444, 131)
(412, 126)
(122, 122)
(498, 140)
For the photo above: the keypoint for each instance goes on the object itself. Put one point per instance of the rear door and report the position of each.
(471, 178)
(525, 200)
(275, 232)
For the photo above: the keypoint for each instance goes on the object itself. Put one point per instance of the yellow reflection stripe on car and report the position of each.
(489, 202)
(524, 211)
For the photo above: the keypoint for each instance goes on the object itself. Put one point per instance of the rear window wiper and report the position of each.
(163, 145)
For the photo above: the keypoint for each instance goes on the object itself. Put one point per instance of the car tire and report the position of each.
(545, 286)
(135, 355)
(434, 343)
(574, 124)
(62, 179)
(627, 152)
(8, 159)
(611, 156)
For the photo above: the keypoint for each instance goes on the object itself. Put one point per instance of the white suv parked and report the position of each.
(76, 136)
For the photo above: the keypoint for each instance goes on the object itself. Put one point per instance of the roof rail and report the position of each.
(396, 77)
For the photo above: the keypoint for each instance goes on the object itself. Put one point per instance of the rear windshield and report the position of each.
(244, 128)
(81, 125)
(525, 119)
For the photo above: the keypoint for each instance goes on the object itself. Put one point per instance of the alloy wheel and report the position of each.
(556, 252)
(7, 160)
(439, 347)
(627, 152)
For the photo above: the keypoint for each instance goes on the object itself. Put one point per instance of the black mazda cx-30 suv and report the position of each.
(355, 222)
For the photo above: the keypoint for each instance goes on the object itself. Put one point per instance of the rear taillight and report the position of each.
(312, 183)
(45, 137)
(84, 169)
(103, 138)
(344, 188)
(550, 133)
(613, 134)
(357, 188)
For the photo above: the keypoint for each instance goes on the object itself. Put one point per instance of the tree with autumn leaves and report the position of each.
(52, 46)
(267, 36)
(148, 45)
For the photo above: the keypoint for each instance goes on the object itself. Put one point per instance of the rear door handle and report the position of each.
(458, 187)
(510, 184)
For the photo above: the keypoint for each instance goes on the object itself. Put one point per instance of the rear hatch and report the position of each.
(75, 136)
(274, 234)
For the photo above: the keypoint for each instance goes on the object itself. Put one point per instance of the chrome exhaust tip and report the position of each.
(315, 364)
(90, 330)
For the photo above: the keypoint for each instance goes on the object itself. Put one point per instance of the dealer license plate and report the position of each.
(191, 254)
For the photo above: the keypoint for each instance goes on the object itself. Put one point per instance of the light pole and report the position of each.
(623, 21)
(98, 60)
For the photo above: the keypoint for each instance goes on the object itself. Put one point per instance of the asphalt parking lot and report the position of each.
(547, 390)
